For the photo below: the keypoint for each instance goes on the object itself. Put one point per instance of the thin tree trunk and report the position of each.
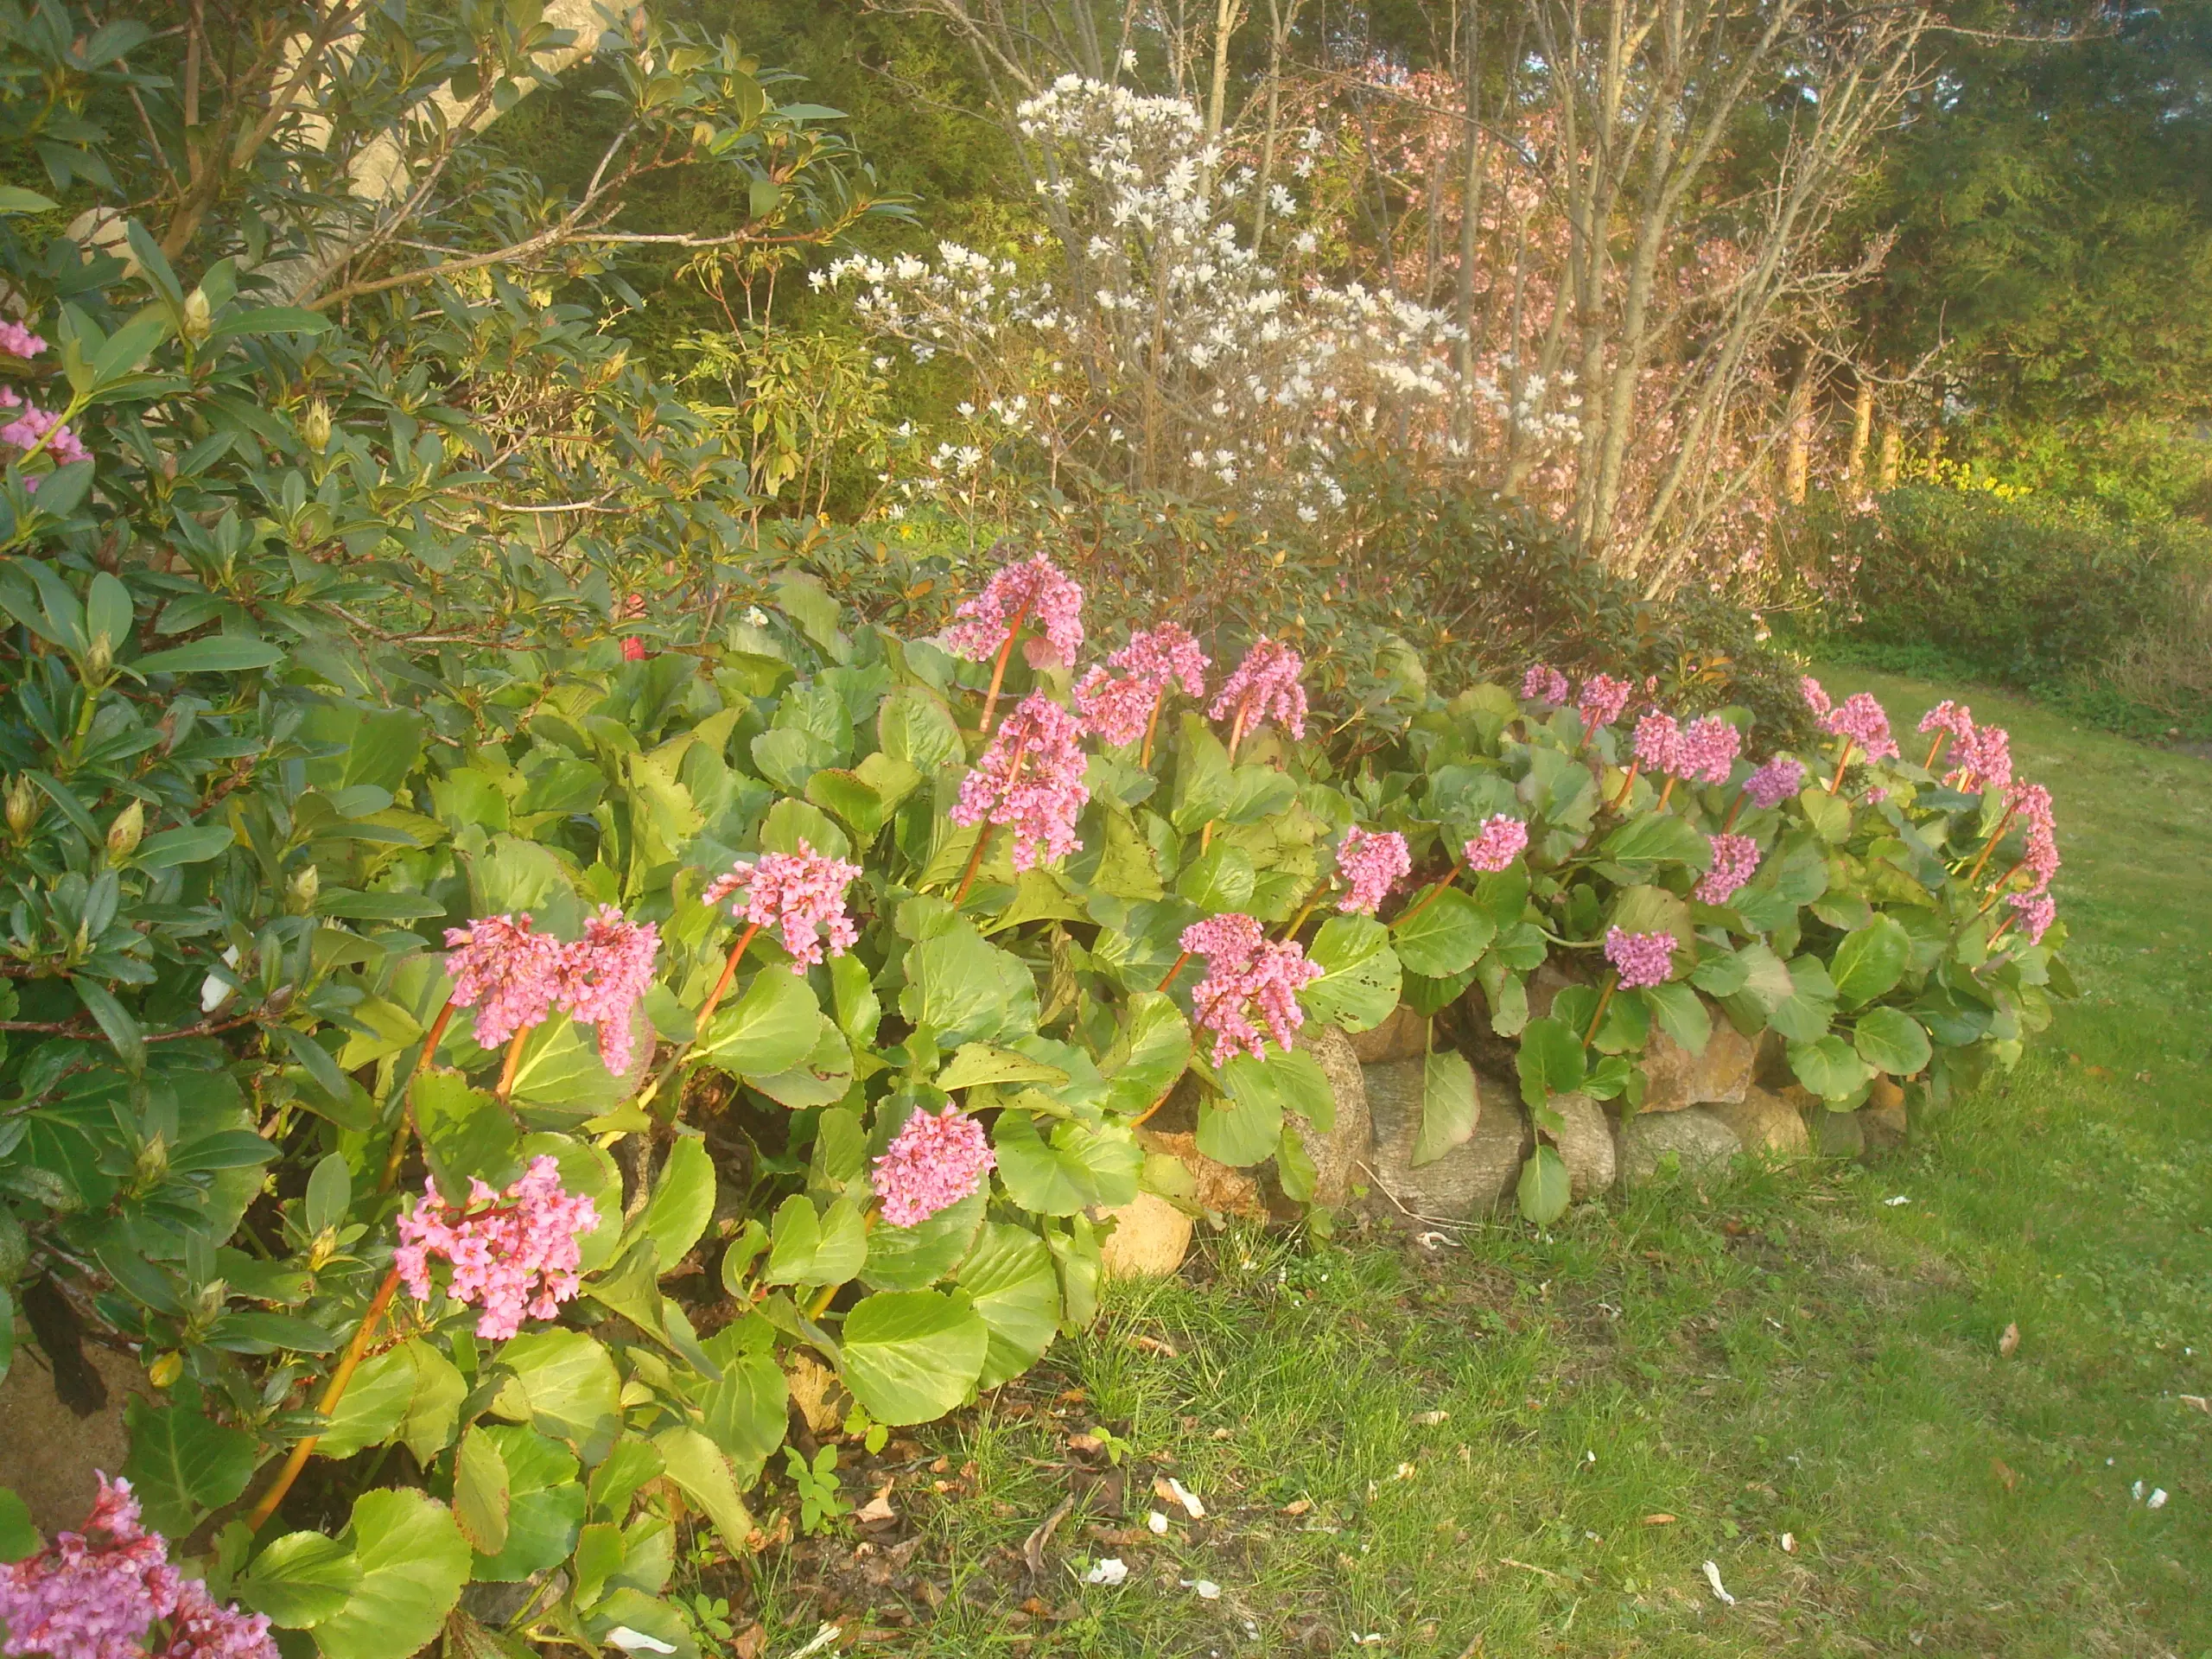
(1862, 427)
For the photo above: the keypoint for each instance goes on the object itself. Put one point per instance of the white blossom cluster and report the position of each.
(1167, 351)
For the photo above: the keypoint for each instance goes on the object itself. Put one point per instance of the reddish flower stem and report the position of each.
(1996, 836)
(1176, 969)
(1742, 795)
(332, 1393)
(1151, 725)
(513, 1064)
(998, 668)
(1605, 999)
(975, 863)
(1842, 761)
(722, 985)
(1430, 897)
(1666, 794)
(1997, 891)
(1933, 749)
(398, 1153)
(1627, 784)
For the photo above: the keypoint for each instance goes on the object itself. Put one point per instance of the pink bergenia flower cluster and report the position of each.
(933, 1162)
(1496, 844)
(1034, 587)
(1371, 863)
(1658, 741)
(1703, 752)
(1602, 700)
(1777, 781)
(2031, 802)
(27, 428)
(1735, 861)
(1543, 683)
(1120, 707)
(514, 976)
(1953, 718)
(99, 1593)
(795, 893)
(1860, 720)
(1981, 756)
(1640, 959)
(513, 1253)
(1264, 687)
(1030, 779)
(1816, 694)
(18, 341)
(2035, 913)
(1246, 972)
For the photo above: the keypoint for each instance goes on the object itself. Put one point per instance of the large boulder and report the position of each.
(49, 1453)
(1221, 1191)
(1339, 1151)
(1469, 1180)
(1149, 1239)
(1403, 1036)
(1675, 1077)
(1764, 1122)
(1699, 1141)
(1586, 1145)
(1882, 1119)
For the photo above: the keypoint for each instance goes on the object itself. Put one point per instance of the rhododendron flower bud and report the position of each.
(1035, 588)
(1265, 687)
(1602, 699)
(1247, 972)
(1777, 781)
(633, 649)
(603, 976)
(99, 1593)
(507, 971)
(1707, 754)
(512, 1253)
(1815, 698)
(933, 1163)
(1031, 779)
(1371, 864)
(1735, 861)
(1119, 708)
(2035, 913)
(1496, 844)
(1658, 742)
(1640, 959)
(1863, 721)
(1543, 683)
(794, 894)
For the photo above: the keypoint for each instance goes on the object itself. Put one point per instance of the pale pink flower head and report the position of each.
(1658, 742)
(506, 970)
(1777, 781)
(18, 341)
(1863, 720)
(1984, 761)
(1033, 588)
(1543, 683)
(1955, 718)
(795, 893)
(1707, 751)
(1246, 973)
(1265, 687)
(1640, 959)
(1816, 699)
(2031, 802)
(1602, 700)
(604, 975)
(99, 1593)
(1031, 779)
(25, 431)
(1735, 861)
(1371, 863)
(933, 1162)
(2035, 913)
(1496, 844)
(513, 1253)
(1120, 707)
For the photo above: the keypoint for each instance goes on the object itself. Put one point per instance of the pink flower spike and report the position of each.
(1602, 699)
(1863, 722)
(507, 971)
(1640, 959)
(1948, 716)
(1543, 683)
(1247, 972)
(1119, 710)
(794, 893)
(18, 341)
(1030, 779)
(1035, 587)
(99, 1593)
(1496, 844)
(933, 1163)
(1777, 781)
(1735, 861)
(2035, 913)
(1815, 698)
(513, 1253)
(1371, 864)
(1985, 760)
(1264, 687)
(604, 975)
(1708, 751)
(1658, 743)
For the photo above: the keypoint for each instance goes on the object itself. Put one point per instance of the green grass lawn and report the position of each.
(1515, 1443)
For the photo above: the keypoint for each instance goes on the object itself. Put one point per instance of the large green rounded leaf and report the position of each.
(1870, 962)
(746, 1412)
(1551, 1061)
(1360, 977)
(1891, 1040)
(769, 1029)
(682, 1201)
(544, 1509)
(696, 1465)
(183, 1464)
(564, 1385)
(912, 1355)
(1244, 1128)
(413, 1563)
(1151, 1051)
(1545, 1187)
(1014, 1285)
(1220, 879)
(1449, 1103)
(1828, 1067)
(914, 1258)
(373, 1406)
(1072, 1167)
(300, 1580)
(966, 990)
(1445, 936)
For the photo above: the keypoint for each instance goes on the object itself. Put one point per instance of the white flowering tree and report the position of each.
(1164, 351)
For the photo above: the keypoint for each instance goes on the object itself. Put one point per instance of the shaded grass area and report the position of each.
(1514, 1441)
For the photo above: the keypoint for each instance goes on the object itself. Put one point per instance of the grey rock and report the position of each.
(1586, 1143)
(1699, 1140)
(1403, 1036)
(1835, 1134)
(1764, 1122)
(49, 1454)
(1675, 1077)
(1882, 1126)
(1339, 1152)
(1472, 1178)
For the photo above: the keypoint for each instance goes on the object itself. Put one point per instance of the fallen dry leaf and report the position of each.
(877, 1508)
(1659, 1519)
(1032, 1548)
(750, 1643)
(1085, 1442)
(2199, 1402)
(1297, 1506)
(2006, 1476)
(1155, 1345)
(1431, 1419)
(1169, 1490)
(2009, 1344)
